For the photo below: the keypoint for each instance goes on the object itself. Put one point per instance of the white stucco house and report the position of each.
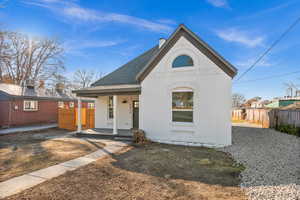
(178, 92)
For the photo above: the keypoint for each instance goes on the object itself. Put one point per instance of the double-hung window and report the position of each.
(61, 104)
(91, 105)
(71, 104)
(182, 106)
(110, 107)
(30, 105)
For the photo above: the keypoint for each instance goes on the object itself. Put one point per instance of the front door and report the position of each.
(135, 107)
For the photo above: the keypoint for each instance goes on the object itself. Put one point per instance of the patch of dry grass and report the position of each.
(154, 171)
(26, 152)
(238, 121)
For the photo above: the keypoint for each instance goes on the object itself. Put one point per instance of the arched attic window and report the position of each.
(183, 61)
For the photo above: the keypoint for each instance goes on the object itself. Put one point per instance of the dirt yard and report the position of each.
(154, 171)
(22, 153)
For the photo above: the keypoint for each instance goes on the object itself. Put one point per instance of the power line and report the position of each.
(271, 47)
(270, 77)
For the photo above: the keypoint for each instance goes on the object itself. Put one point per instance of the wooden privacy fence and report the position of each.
(268, 118)
(258, 116)
(284, 117)
(67, 118)
(237, 114)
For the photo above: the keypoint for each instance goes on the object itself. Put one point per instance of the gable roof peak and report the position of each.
(207, 50)
(137, 69)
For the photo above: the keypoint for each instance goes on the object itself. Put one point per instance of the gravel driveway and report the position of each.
(272, 161)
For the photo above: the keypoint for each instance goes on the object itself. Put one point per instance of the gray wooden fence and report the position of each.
(284, 117)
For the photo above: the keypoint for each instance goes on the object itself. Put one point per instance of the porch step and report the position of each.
(129, 138)
(102, 136)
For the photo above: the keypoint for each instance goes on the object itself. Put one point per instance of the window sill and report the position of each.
(30, 110)
(183, 124)
(188, 68)
(182, 131)
(183, 127)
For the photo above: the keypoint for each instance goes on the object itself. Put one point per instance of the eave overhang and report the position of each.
(109, 90)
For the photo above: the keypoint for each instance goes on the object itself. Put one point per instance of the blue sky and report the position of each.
(102, 35)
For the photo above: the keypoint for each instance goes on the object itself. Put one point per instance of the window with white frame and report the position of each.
(30, 105)
(182, 61)
(91, 105)
(182, 106)
(61, 104)
(71, 104)
(110, 107)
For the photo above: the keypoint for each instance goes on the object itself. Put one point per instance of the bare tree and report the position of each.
(24, 58)
(83, 78)
(238, 99)
(58, 78)
(2, 52)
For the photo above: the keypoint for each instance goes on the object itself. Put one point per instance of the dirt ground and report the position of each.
(154, 171)
(21, 153)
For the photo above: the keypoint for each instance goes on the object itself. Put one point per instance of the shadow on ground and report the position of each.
(22, 153)
(179, 162)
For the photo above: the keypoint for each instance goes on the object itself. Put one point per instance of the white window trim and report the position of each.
(31, 109)
(185, 66)
(60, 102)
(89, 105)
(187, 124)
(110, 119)
(176, 109)
(182, 89)
(71, 104)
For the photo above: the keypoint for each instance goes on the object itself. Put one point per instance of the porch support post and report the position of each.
(115, 126)
(78, 115)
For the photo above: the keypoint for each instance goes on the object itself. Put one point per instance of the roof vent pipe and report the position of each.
(59, 87)
(161, 42)
(30, 84)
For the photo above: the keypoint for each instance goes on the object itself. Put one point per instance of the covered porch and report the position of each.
(116, 110)
(103, 133)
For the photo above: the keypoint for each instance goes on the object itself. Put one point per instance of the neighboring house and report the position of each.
(259, 103)
(29, 105)
(251, 103)
(178, 92)
(282, 103)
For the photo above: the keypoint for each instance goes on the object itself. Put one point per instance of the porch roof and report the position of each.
(134, 89)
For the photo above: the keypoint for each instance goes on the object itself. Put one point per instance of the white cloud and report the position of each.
(218, 3)
(248, 62)
(77, 14)
(268, 10)
(242, 37)
(75, 46)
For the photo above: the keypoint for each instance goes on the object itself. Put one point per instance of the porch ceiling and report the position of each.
(109, 90)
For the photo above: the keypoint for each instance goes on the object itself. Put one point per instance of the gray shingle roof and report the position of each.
(137, 69)
(11, 91)
(127, 73)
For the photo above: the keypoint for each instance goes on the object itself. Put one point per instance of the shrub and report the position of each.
(289, 129)
(139, 137)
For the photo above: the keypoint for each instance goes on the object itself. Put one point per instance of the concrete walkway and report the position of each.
(20, 183)
(27, 128)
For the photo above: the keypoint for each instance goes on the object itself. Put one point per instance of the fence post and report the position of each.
(79, 115)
